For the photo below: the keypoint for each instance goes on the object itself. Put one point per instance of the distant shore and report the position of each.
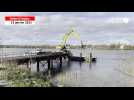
(107, 47)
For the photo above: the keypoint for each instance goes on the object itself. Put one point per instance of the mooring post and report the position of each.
(28, 64)
(38, 65)
(90, 57)
(52, 64)
(68, 57)
(60, 61)
(49, 66)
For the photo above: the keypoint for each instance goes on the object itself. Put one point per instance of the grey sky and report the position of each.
(93, 27)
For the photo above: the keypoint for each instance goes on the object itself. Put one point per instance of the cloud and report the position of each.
(51, 26)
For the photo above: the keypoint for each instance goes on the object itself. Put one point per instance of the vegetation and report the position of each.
(22, 77)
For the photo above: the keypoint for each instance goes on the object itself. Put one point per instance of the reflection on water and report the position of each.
(113, 68)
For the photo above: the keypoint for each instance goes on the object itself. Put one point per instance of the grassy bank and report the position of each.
(22, 77)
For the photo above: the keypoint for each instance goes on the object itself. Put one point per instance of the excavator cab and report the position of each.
(64, 47)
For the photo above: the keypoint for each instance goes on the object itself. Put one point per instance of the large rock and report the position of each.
(3, 83)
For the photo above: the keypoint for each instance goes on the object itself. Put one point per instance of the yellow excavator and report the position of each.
(63, 46)
(66, 37)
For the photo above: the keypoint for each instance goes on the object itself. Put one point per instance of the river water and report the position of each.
(113, 68)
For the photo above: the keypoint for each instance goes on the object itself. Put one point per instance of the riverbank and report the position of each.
(22, 77)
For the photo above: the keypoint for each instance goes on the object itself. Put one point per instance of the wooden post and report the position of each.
(81, 54)
(68, 63)
(60, 61)
(52, 64)
(27, 64)
(30, 62)
(90, 57)
(49, 66)
(38, 65)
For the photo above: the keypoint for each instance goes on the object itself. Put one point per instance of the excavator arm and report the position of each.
(67, 36)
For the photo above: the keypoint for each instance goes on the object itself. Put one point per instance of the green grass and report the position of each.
(22, 77)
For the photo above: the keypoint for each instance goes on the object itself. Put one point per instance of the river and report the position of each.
(113, 68)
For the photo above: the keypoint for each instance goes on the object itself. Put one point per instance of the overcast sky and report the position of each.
(93, 27)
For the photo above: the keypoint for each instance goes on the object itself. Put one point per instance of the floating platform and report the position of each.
(76, 58)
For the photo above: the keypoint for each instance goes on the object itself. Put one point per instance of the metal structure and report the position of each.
(67, 36)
